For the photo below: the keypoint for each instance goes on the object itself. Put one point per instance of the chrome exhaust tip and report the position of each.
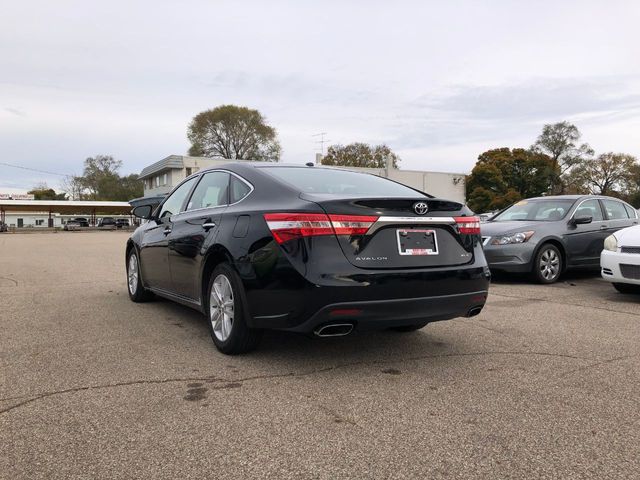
(334, 330)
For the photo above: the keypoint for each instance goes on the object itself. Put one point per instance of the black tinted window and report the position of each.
(239, 189)
(340, 182)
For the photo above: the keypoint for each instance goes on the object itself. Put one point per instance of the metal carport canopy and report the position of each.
(64, 207)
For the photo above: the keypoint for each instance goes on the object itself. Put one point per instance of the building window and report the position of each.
(164, 179)
(39, 223)
(188, 171)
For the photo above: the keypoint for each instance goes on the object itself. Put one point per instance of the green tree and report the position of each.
(503, 176)
(101, 181)
(560, 142)
(360, 155)
(607, 174)
(236, 133)
(43, 192)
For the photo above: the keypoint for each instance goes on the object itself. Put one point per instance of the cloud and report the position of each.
(15, 111)
(472, 113)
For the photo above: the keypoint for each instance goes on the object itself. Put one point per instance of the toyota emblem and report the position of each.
(421, 208)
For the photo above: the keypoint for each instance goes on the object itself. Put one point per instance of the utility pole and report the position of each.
(322, 141)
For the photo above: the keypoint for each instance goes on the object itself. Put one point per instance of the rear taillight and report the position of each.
(288, 226)
(352, 224)
(468, 225)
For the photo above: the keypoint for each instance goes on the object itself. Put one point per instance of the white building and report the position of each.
(160, 177)
(55, 213)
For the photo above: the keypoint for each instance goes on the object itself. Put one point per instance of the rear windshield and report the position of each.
(340, 182)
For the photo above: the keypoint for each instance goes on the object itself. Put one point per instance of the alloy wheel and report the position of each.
(221, 305)
(132, 274)
(549, 264)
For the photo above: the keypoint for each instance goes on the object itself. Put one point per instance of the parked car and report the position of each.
(307, 249)
(122, 222)
(81, 221)
(71, 225)
(620, 260)
(107, 222)
(545, 236)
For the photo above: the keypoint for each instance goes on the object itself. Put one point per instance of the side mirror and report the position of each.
(582, 219)
(143, 211)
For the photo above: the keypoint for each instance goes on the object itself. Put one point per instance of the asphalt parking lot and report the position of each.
(545, 383)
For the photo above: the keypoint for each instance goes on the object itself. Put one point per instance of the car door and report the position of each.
(154, 243)
(194, 229)
(585, 241)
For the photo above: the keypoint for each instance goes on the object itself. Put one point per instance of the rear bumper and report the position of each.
(371, 300)
(380, 314)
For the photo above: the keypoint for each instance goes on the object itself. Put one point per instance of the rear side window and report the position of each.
(239, 189)
(631, 211)
(615, 210)
(340, 182)
(212, 191)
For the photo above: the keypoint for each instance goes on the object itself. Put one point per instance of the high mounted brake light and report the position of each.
(288, 226)
(468, 225)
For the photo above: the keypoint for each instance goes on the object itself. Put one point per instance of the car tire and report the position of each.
(137, 292)
(547, 264)
(627, 288)
(408, 328)
(227, 312)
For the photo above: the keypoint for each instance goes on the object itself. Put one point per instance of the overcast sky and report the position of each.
(439, 82)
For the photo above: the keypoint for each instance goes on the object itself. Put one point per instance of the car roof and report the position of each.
(573, 197)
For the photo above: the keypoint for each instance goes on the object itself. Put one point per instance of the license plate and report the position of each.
(417, 242)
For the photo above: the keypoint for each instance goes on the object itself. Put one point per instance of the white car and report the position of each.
(620, 260)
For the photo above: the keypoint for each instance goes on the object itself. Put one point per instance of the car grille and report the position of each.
(630, 271)
(630, 250)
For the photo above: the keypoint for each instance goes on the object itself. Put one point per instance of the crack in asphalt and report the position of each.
(597, 364)
(212, 379)
(566, 303)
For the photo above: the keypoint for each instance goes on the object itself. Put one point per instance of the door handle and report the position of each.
(167, 231)
(602, 227)
(208, 225)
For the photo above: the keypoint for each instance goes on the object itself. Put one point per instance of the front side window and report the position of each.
(174, 203)
(590, 208)
(615, 210)
(212, 191)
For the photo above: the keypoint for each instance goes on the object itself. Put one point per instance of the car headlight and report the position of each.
(519, 237)
(611, 243)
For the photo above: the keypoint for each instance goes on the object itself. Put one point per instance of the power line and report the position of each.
(34, 170)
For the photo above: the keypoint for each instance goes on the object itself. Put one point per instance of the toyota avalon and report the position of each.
(306, 249)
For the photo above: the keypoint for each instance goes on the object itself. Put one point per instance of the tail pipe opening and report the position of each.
(334, 330)
(474, 311)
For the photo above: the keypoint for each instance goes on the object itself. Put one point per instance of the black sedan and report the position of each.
(545, 236)
(306, 249)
